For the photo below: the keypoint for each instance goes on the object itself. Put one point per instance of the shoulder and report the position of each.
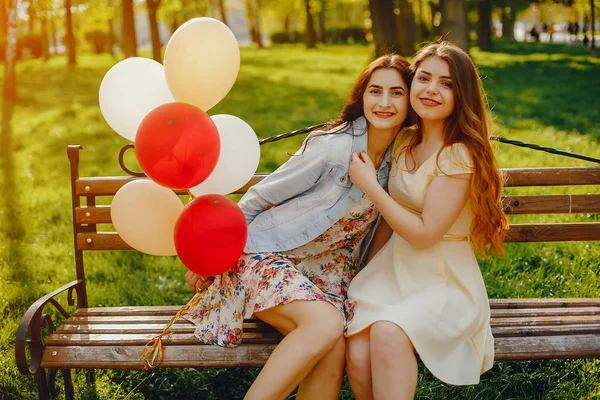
(455, 159)
(402, 140)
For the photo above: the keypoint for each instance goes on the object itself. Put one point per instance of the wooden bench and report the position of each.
(114, 337)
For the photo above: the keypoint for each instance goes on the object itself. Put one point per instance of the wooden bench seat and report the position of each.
(114, 337)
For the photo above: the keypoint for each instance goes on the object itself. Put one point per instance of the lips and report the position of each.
(429, 102)
(381, 114)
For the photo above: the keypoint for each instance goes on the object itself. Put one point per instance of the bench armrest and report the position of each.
(34, 321)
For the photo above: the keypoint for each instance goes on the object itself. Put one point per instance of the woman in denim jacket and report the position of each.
(306, 225)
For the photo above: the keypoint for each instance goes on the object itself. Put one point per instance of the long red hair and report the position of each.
(470, 124)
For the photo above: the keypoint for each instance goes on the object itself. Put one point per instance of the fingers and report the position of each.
(197, 282)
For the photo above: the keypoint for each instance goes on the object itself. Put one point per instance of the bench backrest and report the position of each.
(87, 215)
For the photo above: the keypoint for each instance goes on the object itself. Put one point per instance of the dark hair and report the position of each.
(353, 108)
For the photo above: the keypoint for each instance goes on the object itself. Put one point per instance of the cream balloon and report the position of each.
(239, 158)
(144, 215)
(202, 60)
(129, 91)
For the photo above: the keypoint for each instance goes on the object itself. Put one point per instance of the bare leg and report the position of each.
(315, 327)
(324, 381)
(393, 361)
(358, 367)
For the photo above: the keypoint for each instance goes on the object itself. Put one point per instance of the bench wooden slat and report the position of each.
(128, 357)
(545, 312)
(516, 233)
(552, 204)
(140, 339)
(255, 355)
(552, 320)
(560, 232)
(545, 330)
(560, 176)
(109, 185)
(543, 303)
(547, 347)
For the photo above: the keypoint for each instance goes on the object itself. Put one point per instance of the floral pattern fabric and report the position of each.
(319, 270)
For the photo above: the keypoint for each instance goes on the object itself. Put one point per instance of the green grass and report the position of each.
(542, 94)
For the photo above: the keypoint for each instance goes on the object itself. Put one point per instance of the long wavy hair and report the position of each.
(469, 124)
(353, 108)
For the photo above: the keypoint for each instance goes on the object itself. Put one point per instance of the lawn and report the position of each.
(539, 93)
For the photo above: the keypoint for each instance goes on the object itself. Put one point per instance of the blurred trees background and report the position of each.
(47, 27)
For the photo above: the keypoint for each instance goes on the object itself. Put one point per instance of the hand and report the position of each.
(362, 171)
(197, 282)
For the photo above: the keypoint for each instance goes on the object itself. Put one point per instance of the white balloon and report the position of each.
(239, 158)
(129, 91)
(202, 60)
(144, 215)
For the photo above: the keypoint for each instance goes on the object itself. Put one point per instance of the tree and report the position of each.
(70, 37)
(385, 34)
(322, 19)
(484, 24)
(223, 11)
(310, 36)
(10, 78)
(454, 22)
(156, 45)
(253, 19)
(405, 22)
(129, 40)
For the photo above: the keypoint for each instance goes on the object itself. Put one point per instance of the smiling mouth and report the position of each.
(429, 102)
(381, 114)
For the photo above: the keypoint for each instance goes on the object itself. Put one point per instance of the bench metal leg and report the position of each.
(42, 384)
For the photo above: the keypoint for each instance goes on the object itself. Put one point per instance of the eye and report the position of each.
(447, 84)
(422, 78)
(374, 91)
(397, 93)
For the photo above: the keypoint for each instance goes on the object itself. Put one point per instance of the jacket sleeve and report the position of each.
(294, 177)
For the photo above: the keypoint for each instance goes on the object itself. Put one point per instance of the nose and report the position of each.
(432, 87)
(384, 100)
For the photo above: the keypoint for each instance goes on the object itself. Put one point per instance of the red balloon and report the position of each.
(210, 234)
(177, 145)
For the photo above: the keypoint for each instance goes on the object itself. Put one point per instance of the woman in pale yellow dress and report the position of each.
(422, 292)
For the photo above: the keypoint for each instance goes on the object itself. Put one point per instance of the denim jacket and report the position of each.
(309, 193)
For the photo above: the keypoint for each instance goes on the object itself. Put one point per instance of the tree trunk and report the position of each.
(405, 22)
(10, 59)
(129, 40)
(454, 22)
(70, 37)
(156, 45)
(309, 34)
(384, 27)
(53, 39)
(592, 31)
(322, 19)
(3, 22)
(508, 25)
(223, 11)
(252, 11)
(45, 41)
(32, 17)
(484, 24)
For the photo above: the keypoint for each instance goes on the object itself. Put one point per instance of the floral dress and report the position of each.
(319, 270)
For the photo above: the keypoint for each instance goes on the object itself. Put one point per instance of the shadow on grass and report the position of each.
(557, 91)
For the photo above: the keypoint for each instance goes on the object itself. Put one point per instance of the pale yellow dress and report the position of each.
(436, 295)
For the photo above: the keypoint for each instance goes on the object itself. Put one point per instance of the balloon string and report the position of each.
(155, 348)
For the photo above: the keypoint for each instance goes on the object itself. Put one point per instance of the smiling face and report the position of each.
(431, 93)
(385, 100)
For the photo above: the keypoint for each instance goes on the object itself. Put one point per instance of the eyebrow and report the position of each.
(392, 88)
(443, 76)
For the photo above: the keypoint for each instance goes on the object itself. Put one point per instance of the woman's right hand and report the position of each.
(198, 283)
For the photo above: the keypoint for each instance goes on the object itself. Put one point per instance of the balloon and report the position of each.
(177, 145)
(202, 60)
(240, 155)
(144, 215)
(210, 234)
(129, 91)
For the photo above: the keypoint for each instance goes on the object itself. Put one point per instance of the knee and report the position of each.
(326, 327)
(358, 359)
(388, 338)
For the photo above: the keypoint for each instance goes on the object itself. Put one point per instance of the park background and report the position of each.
(299, 59)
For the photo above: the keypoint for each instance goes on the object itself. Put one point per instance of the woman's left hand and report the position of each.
(362, 171)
